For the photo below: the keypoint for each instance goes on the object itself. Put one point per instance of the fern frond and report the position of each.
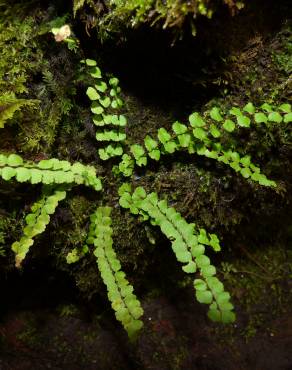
(202, 137)
(188, 245)
(127, 307)
(9, 105)
(47, 171)
(105, 102)
(37, 221)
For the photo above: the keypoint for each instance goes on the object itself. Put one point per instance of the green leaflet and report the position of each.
(48, 171)
(215, 114)
(36, 221)
(127, 307)
(188, 245)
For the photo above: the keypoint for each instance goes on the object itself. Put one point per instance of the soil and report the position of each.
(45, 328)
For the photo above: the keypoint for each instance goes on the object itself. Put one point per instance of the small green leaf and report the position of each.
(228, 317)
(95, 72)
(139, 193)
(150, 143)
(208, 270)
(22, 174)
(122, 120)
(235, 112)
(215, 285)
(200, 285)
(214, 315)
(204, 296)
(101, 86)
(260, 118)
(197, 250)
(125, 200)
(114, 104)
(196, 120)
(183, 256)
(184, 140)
(245, 172)
(190, 268)
(92, 93)
(226, 306)
(249, 108)
(203, 261)
(179, 128)
(200, 133)
(114, 81)
(96, 108)
(203, 238)
(170, 147)
(3, 160)
(106, 102)
(286, 108)
(90, 62)
(214, 242)
(243, 121)
(137, 151)
(223, 298)
(163, 135)
(229, 125)
(155, 154)
(245, 161)
(142, 161)
(214, 131)
(288, 118)
(266, 107)
(14, 160)
(275, 117)
(98, 120)
(7, 173)
(215, 114)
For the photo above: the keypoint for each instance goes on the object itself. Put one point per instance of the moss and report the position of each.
(112, 18)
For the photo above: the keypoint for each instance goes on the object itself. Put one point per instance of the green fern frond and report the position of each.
(37, 221)
(9, 105)
(202, 137)
(127, 307)
(106, 103)
(188, 246)
(47, 171)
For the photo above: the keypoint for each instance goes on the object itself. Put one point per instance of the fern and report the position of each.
(47, 171)
(37, 221)
(105, 100)
(9, 105)
(202, 136)
(188, 246)
(120, 293)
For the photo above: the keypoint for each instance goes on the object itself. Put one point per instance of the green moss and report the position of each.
(172, 14)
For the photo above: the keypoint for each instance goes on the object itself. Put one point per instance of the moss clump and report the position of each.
(115, 16)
